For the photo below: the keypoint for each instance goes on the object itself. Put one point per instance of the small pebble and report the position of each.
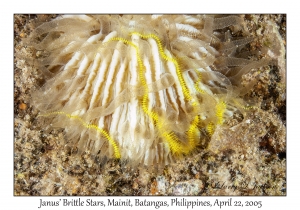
(22, 35)
(22, 106)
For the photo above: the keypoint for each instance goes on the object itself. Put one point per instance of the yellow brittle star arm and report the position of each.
(175, 145)
(185, 90)
(220, 109)
(89, 126)
(151, 114)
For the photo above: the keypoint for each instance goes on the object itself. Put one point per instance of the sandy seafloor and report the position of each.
(251, 158)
